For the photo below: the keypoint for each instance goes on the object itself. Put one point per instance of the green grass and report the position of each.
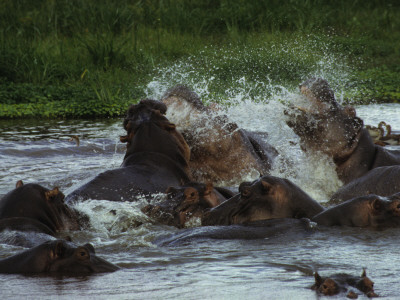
(91, 58)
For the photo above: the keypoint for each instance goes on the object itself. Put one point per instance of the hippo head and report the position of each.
(220, 151)
(325, 286)
(339, 283)
(67, 259)
(262, 199)
(181, 99)
(43, 205)
(366, 285)
(146, 110)
(393, 210)
(217, 129)
(57, 257)
(268, 197)
(149, 111)
(258, 200)
(384, 212)
(184, 204)
(272, 197)
(323, 124)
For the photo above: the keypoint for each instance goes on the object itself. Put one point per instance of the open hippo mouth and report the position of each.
(323, 124)
(146, 111)
(152, 111)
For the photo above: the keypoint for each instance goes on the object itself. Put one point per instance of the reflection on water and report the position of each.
(40, 151)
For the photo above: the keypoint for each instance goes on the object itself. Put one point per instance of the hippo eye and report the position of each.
(82, 253)
(245, 191)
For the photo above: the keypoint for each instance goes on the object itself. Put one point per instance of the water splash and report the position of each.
(257, 72)
(253, 88)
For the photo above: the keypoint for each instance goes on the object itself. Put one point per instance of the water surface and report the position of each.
(279, 268)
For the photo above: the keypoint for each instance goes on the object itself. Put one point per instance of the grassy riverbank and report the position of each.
(92, 58)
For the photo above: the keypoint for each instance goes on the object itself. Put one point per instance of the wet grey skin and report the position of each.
(57, 257)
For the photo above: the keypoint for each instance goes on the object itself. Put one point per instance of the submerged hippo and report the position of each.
(287, 229)
(186, 203)
(269, 197)
(220, 151)
(156, 157)
(367, 211)
(330, 128)
(31, 207)
(57, 257)
(340, 283)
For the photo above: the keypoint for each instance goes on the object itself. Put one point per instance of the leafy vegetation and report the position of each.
(74, 58)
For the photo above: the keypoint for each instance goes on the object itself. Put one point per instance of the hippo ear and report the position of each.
(90, 248)
(58, 250)
(364, 273)
(318, 279)
(51, 193)
(19, 184)
(127, 138)
(209, 188)
(123, 139)
(171, 190)
(266, 186)
(376, 204)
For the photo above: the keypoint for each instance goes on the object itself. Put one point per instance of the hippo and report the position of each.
(156, 157)
(268, 197)
(32, 207)
(383, 181)
(328, 127)
(370, 211)
(340, 283)
(185, 204)
(271, 230)
(57, 257)
(220, 151)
